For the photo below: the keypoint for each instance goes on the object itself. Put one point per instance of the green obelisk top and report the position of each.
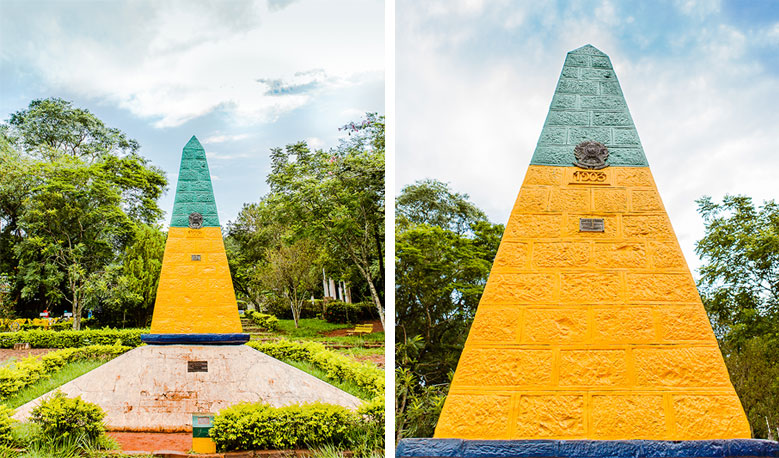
(588, 105)
(194, 193)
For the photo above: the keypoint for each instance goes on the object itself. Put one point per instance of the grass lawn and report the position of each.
(313, 328)
(347, 386)
(68, 372)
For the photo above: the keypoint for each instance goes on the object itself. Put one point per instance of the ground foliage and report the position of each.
(739, 285)
(444, 251)
(72, 193)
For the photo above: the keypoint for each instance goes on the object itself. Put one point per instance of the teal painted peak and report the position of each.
(193, 191)
(588, 105)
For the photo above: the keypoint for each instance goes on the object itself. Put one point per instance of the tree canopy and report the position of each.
(74, 191)
(444, 248)
(739, 285)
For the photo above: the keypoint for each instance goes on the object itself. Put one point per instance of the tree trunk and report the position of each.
(76, 312)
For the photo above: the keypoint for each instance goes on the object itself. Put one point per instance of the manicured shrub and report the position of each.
(262, 320)
(16, 376)
(6, 424)
(337, 366)
(260, 426)
(279, 307)
(72, 339)
(344, 312)
(63, 417)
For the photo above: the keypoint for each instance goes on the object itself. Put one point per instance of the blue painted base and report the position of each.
(451, 448)
(195, 339)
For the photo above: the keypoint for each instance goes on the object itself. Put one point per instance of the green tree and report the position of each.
(739, 285)
(444, 249)
(141, 265)
(75, 186)
(292, 273)
(336, 198)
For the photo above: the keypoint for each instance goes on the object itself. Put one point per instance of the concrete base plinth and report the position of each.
(158, 388)
(462, 448)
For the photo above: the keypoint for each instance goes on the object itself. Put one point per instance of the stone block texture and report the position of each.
(590, 335)
(193, 191)
(588, 105)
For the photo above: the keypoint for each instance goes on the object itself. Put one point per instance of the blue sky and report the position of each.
(244, 76)
(701, 78)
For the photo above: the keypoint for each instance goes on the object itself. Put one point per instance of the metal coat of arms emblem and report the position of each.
(591, 155)
(195, 220)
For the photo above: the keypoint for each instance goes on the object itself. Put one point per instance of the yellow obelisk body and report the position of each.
(590, 326)
(195, 294)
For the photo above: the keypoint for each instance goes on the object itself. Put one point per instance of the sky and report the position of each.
(474, 80)
(243, 76)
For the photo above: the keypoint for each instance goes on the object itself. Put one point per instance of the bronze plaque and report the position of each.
(592, 225)
(196, 257)
(591, 155)
(195, 220)
(197, 366)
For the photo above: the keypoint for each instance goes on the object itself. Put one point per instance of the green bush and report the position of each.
(337, 366)
(262, 320)
(72, 339)
(259, 426)
(279, 307)
(63, 417)
(344, 312)
(6, 424)
(29, 370)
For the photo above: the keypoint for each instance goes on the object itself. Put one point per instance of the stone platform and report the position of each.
(450, 448)
(158, 388)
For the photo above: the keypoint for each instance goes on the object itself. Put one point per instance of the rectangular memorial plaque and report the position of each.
(196, 257)
(591, 225)
(197, 366)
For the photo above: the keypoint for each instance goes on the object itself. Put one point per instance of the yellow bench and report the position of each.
(360, 329)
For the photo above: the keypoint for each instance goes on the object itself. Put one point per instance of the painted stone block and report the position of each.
(645, 201)
(623, 325)
(561, 254)
(496, 325)
(503, 367)
(543, 175)
(666, 255)
(684, 323)
(661, 287)
(544, 416)
(610, 200)
(706, 416)
(531, 226)
(576, 200)
(512, 255)
(647, 226)
(593, 368)
(680, 367)
(528, 288)
(620, 255)
(471, 416)
(532, 200)
(589, 288)
(637, 416)
(555, 325)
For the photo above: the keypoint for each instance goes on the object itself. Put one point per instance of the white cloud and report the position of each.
(225, 138)
(172, 62)
(471, 116)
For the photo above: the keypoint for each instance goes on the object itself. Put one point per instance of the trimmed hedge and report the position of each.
(262, 320)
(344, 312)
(260, 426)
(72, 339)
(29, 370)
(337, 366)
